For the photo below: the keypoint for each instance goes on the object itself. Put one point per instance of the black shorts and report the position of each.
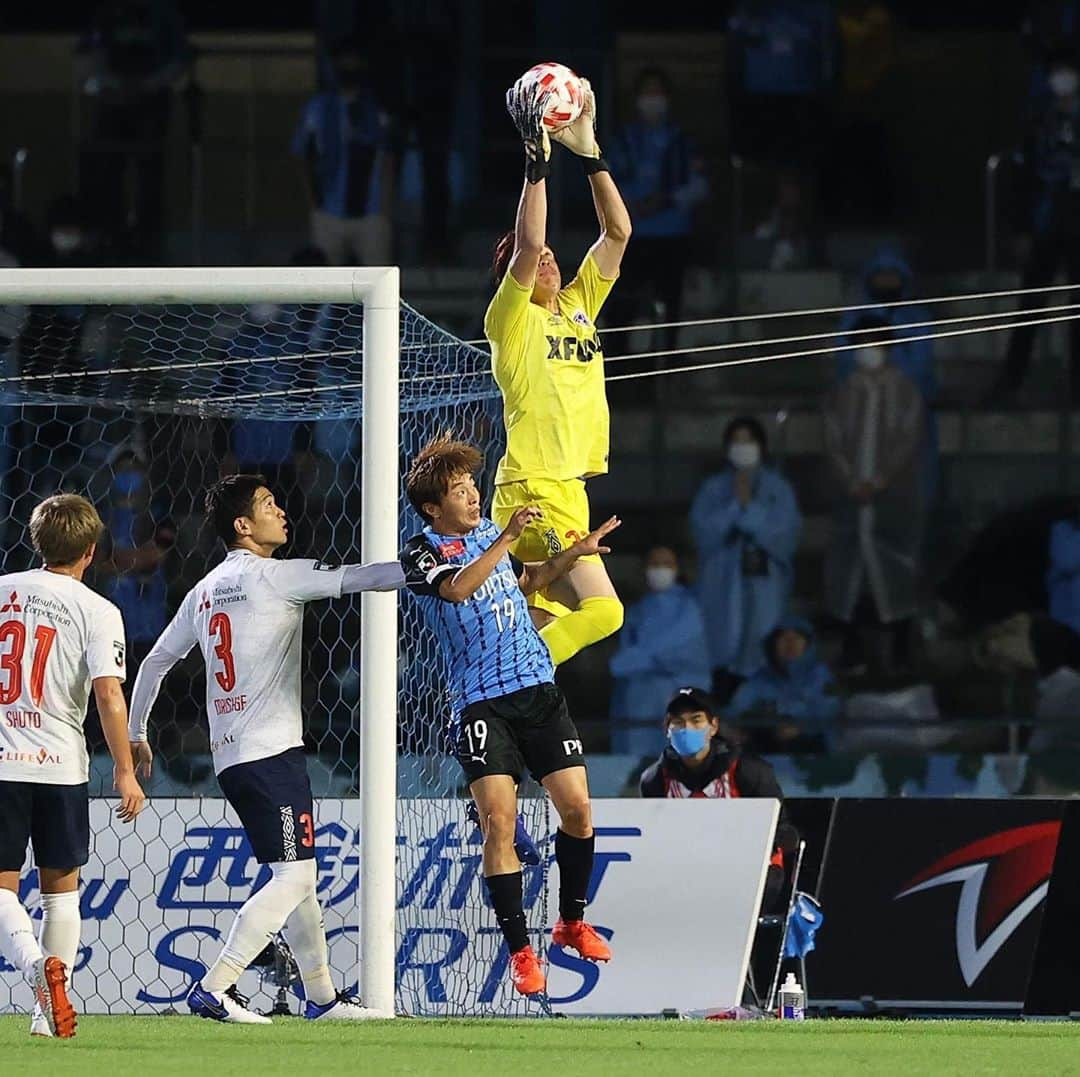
(529, 728)
(55, 819)
(273, 799)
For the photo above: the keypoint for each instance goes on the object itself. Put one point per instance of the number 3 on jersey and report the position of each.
(13, 634)
(221, 626)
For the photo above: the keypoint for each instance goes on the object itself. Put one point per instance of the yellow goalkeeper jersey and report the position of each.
(550, 369)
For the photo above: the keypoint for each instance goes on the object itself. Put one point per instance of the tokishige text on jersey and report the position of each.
(489, 642)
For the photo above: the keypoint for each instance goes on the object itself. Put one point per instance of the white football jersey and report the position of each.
(247, 616)
(56, 637)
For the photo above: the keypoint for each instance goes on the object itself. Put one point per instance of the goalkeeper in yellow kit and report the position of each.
(547, 359)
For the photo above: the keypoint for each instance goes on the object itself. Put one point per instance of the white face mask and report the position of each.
(1064, 81)
(652, 107)
(660, 577)
(744, 454)
(64, 242)
(872, 358)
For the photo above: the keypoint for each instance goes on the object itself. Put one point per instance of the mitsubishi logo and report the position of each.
(12, 605)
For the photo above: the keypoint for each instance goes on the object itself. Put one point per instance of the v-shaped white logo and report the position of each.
(973, 957)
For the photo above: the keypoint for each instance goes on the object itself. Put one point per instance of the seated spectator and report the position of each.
(661, 645)
(875, 424)
(793, 686)
(662, 177)
(746, 526)
(700, 763)
(1036, 640)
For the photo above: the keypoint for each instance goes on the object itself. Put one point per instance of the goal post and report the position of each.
(378, 290)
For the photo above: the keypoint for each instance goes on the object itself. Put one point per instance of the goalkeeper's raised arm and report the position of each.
(611, 211)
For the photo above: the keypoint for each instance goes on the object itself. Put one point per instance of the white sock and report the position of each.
(306, 936)
(17, 942)
(60, 926)
(257, 921)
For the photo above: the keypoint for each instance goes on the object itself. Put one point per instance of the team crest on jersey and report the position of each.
(426, 561)
(581, 318)
(118, 653)
(554, 544)
(452, 549)
(326, 566)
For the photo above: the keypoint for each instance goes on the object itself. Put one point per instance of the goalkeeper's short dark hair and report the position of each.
(228, 499)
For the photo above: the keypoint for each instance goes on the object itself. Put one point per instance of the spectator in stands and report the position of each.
(746, 525)
(132, 57)
(1051, 164)
(1041, 640)
(782, 69)
(699, 763)
(134, 549)
(887, 278)
(662, 177)
(346, 140)
(875, 423)
(793, 687)
(661, 645)
(287, 334)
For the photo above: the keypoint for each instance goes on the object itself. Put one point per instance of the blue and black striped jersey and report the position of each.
(489, 641)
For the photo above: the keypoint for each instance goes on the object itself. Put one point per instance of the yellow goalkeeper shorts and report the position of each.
(565, 508)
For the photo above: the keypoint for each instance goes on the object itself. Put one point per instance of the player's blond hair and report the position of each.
(63, 528)
(435, 466)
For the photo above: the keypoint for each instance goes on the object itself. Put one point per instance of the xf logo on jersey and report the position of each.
(12, 605)
(568, 348)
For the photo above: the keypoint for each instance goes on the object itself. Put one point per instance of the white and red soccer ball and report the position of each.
(568, 95)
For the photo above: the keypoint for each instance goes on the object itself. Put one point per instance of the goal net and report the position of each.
(141, 403)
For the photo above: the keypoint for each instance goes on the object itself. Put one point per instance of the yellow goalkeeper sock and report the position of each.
(593, 620)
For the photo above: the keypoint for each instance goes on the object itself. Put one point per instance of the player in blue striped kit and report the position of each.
(507, 713)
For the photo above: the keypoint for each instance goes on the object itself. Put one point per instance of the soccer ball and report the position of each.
(568, 96)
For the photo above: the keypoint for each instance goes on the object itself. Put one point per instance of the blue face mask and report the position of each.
(689, 741)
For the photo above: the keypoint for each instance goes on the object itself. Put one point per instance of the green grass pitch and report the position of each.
(148, 1046)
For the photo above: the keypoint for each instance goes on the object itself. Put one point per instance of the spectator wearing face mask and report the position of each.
(699, 763)
(746, 525)
(661, 645)
(662, 177)
(1050, 200)
(346, 139)
(887, 278)
(875, 423)
(793, 686)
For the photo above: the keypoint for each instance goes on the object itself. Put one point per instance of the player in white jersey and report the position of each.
(246, 616)
(57, 640)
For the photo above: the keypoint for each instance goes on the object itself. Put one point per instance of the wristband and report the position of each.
(537, 170)
(592, 165)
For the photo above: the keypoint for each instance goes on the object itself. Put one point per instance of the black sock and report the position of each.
(575, 859)
(505, 892)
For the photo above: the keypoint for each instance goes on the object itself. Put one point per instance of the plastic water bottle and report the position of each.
(792, 1000)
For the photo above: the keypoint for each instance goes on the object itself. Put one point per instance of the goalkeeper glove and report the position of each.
(526, 109)
(580, 136)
